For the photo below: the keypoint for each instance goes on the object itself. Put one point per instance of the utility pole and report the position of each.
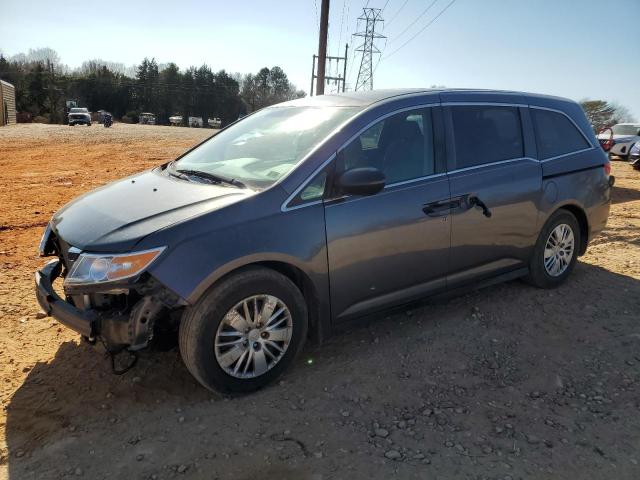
(370, 16)
(322, 46)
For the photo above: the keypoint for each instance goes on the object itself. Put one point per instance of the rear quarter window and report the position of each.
(555, 134)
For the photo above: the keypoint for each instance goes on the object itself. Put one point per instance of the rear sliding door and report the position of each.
(497, 185)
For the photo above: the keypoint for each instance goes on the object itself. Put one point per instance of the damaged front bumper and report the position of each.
(84, 322)
(131, 328)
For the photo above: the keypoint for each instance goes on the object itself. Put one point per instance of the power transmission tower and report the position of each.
(371, 17)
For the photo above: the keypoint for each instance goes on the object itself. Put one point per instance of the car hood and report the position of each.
(115, 217)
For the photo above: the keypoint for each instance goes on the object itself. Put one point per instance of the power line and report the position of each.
(423, 28)
(399, 10)
(315, 4)
(417, 18)
(341, 25)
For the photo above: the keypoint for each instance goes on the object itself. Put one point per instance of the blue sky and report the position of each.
(578, 49)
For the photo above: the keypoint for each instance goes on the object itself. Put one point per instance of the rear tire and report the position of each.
(202, 330)
(549, 270)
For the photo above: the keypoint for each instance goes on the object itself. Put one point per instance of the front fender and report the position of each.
(195, 261)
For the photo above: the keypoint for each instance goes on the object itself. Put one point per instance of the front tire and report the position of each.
(556, 251)
(244, 332)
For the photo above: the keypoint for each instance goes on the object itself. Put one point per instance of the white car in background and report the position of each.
(79, 116)
(619, 139)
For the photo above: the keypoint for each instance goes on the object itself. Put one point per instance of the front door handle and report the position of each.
(440, 209)
(476, 202)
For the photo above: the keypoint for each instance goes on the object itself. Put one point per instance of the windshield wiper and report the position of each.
(212, 177)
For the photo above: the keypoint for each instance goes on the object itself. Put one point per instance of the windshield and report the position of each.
(79, 110)
(626, 129)
(262, 148)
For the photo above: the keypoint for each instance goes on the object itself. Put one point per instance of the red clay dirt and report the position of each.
(507, 382)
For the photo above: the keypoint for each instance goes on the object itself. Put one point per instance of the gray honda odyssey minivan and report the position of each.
(312, 212)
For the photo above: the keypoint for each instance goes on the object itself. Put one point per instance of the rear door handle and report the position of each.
(439, 209)
(474, 201)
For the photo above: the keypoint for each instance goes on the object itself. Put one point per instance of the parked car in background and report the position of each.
(196, 122)
(147, 118)
(79, 116)
(175, 121)
(619, 139)
(634, 155)
(307, 214)
(214, 122)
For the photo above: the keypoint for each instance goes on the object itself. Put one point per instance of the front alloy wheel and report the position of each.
(244, 331)
(253, 336)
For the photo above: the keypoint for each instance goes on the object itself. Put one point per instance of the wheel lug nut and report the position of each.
(264, 334)
(256, 345)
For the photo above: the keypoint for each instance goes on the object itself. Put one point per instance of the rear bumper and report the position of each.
(83, 322)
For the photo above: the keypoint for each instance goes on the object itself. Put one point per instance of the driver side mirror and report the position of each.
(361, 181)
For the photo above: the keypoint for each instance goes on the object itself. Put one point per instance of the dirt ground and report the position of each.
(504, 383)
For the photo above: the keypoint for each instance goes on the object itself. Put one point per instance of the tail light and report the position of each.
(607, 168)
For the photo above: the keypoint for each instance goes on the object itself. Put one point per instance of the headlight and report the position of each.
(635, 150)
(92, 268)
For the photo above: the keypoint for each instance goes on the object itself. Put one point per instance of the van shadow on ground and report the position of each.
(624, 195)
(76, 389)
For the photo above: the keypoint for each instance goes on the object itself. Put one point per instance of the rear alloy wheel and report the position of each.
(245, 331)
(559, 250)
(556, 251)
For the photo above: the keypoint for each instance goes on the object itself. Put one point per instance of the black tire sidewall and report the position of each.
(209, 312)
(538, 274)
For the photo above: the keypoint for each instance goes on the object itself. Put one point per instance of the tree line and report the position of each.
(602, 114)
(44, 85)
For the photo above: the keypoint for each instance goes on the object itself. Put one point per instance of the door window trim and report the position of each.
(575, 152)
(492, 164)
